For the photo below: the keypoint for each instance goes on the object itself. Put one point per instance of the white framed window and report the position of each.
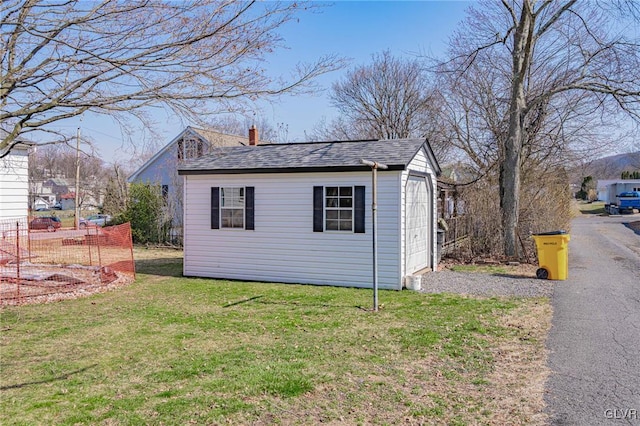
(338, 211)
(339, 208)
(190, 148)
(232, 204)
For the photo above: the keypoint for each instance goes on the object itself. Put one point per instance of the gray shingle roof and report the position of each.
(307, 157)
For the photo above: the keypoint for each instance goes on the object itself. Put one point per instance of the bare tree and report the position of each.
(116, 193)
(551, 71)
(62, 58)
(235, 125)
(59, 161)
(335, 130)
(389, 98)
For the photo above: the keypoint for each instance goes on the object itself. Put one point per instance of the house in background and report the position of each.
(57, 186)
(301, 213)
(40, 204)
(40, 196)
(49, 190)
(191, 143)
(14, 182)
(609, 188)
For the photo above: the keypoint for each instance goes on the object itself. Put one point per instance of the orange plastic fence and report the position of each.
(39, 265)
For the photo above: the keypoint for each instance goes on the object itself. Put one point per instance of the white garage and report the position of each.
(301, 213)
(417, 225)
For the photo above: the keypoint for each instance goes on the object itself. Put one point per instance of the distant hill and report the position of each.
(608, 167)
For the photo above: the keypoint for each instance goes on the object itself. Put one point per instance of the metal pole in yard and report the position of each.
(76, 200)
(18, 258)
(374, 219)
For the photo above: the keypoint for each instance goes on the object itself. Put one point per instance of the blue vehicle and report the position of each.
(627, 201)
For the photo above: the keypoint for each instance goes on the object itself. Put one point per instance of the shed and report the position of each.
(301, 213)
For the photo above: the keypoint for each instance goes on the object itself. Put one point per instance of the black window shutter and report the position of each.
(215, 207)
(249, 208)
(318, 195)
(358, 210)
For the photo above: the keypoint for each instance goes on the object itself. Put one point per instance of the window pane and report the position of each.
(232, 218)
(332, 191)
(345, 225)
(332, 202)
(345, 191)
(236, 202)
(332, 214)
(345, 215)
(225, 218)
(346, 202)
(332, 225)
(232, 197)
(238, 218)
(224, 196)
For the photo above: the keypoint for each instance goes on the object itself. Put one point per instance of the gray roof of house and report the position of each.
(308, 157)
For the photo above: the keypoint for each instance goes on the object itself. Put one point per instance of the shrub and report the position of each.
(147, 213)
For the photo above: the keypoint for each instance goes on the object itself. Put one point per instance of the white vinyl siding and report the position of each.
(14, 186)
(283, 247)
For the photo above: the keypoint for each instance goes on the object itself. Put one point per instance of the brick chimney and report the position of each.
(253, 135)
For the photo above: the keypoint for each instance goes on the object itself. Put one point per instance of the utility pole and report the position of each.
(77, 197)
(374, 215)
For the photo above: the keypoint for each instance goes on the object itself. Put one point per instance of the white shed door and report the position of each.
(417, 222)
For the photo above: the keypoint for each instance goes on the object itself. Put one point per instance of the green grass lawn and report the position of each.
(597, 207)
(173, 350)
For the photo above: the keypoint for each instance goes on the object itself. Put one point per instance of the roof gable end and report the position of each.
(213, 138)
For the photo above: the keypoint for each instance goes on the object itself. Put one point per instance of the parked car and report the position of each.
(99, 219)
(57, 206)
(84, 223)
(50, 223)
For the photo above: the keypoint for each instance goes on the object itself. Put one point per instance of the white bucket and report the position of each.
(413, 282)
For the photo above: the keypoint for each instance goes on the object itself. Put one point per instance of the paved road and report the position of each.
(594, 341)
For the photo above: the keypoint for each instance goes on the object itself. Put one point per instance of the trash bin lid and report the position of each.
(558, 232)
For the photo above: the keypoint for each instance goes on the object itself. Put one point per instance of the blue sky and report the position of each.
(352, 29)
(356, 30)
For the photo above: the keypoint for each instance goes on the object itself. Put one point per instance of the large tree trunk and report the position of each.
(511, 159)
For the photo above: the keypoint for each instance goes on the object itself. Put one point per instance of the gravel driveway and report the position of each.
(488, 285)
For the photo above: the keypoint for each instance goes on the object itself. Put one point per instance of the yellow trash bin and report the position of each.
(553, 255)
